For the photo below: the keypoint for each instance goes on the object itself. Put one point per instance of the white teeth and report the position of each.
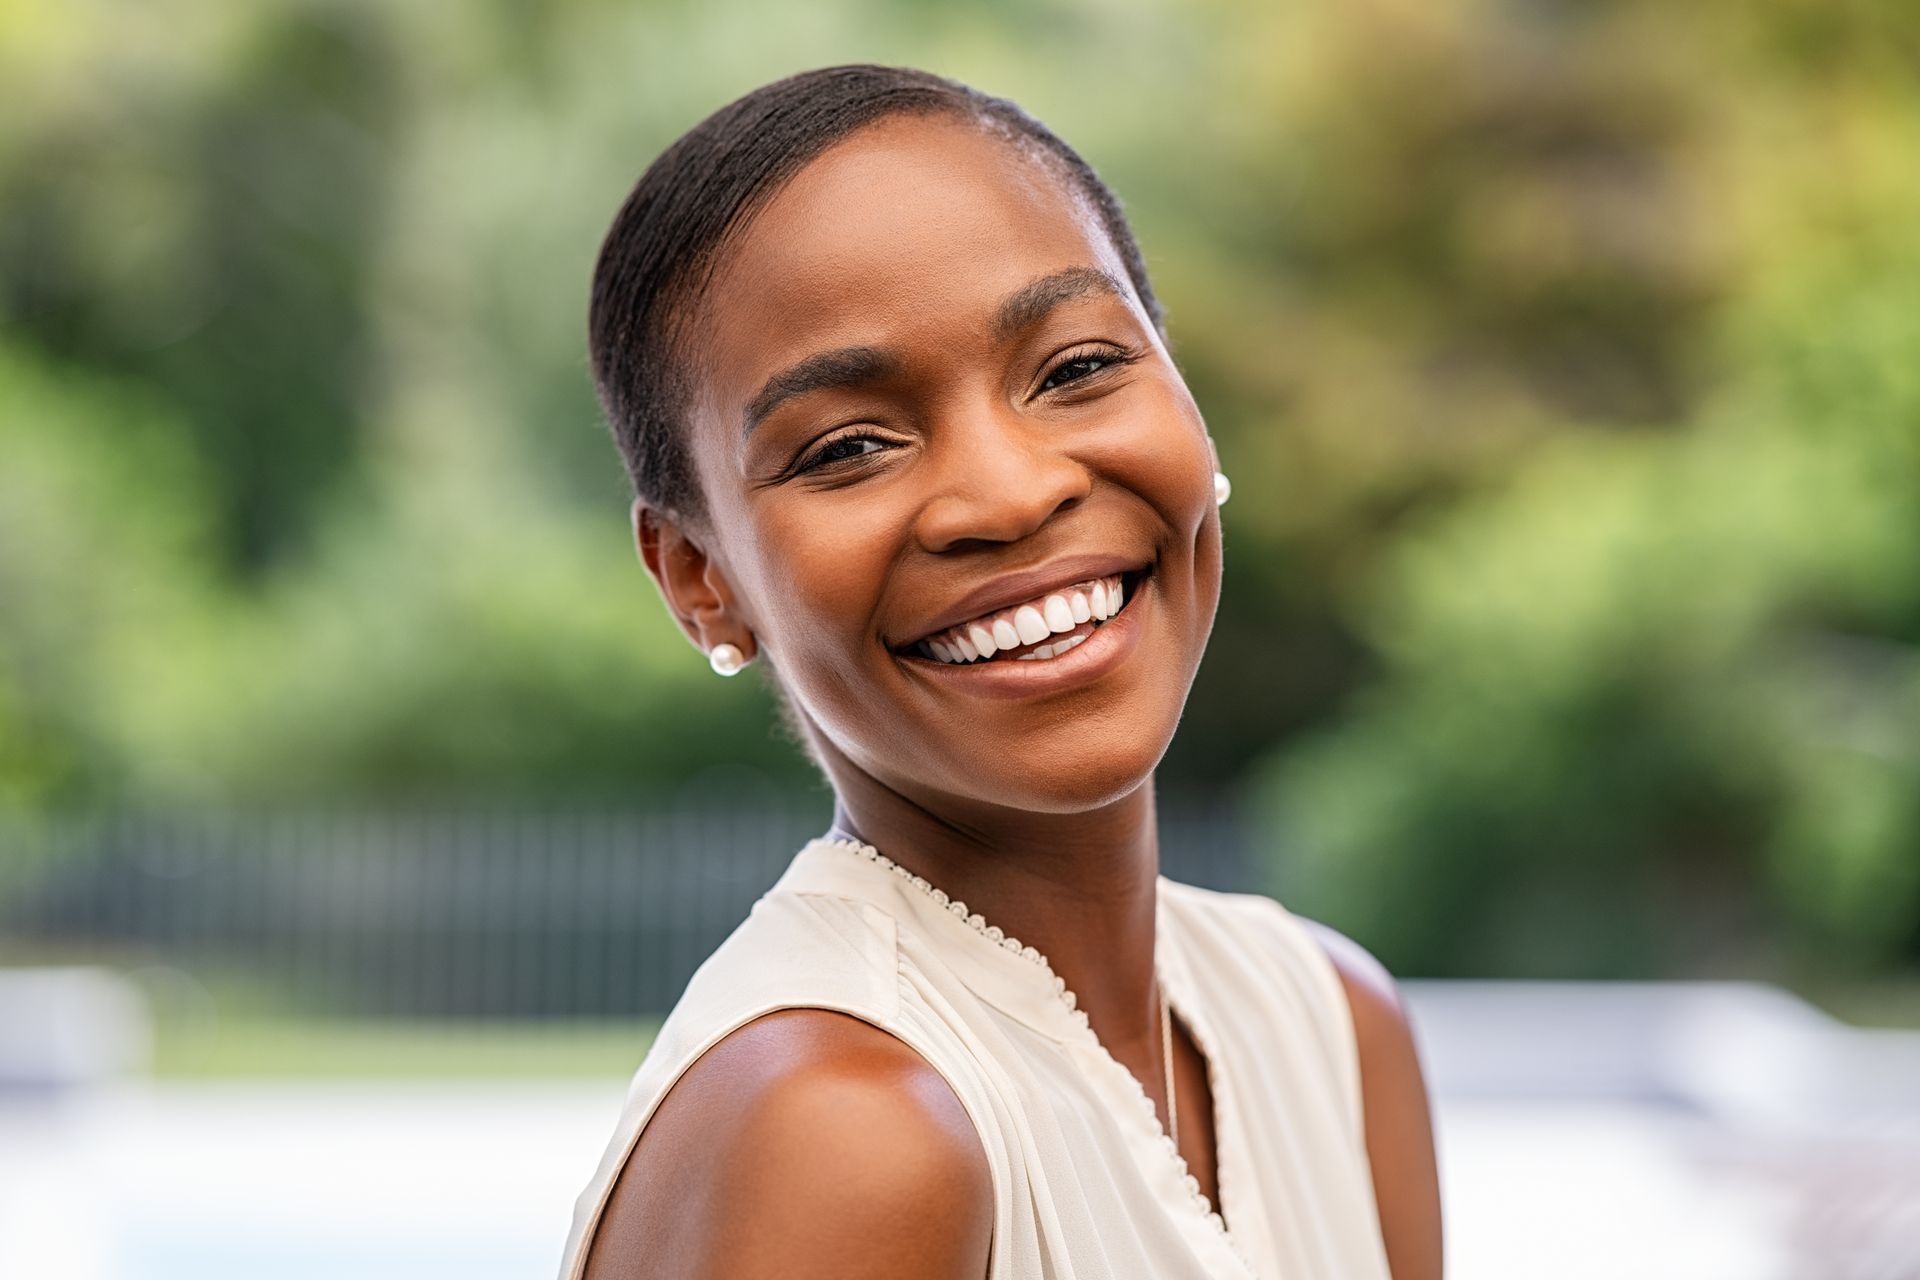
(1049, 650)
(1030, 625)
(1058, 613)
(1054, 614)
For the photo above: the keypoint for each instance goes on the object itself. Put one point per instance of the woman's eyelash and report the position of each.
(1108, 356)
(817, 459)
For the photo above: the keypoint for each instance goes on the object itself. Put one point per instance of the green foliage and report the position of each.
(1562, 357)
(1671, 680)
(109, 612)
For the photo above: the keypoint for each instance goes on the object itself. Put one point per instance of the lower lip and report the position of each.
(1101, 652)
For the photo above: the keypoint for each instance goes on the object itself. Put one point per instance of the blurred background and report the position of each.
(361, 811)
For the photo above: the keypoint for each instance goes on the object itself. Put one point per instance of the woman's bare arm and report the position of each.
(807, 1143)
(1399, 1123)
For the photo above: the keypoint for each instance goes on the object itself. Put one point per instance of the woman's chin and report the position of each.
(1093, 773)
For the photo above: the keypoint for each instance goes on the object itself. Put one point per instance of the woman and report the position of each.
(893, 389)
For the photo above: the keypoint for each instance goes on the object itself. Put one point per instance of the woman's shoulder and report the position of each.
(1258, 948)
(786, 1044)
(1267, 921)
(1374, 1045)
(803, 1143)
(1366, 986)
(1240, 921)
(800, 946)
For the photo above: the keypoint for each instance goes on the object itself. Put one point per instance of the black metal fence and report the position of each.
(477, 914)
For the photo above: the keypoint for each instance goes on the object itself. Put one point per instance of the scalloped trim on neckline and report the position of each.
(1008, 942)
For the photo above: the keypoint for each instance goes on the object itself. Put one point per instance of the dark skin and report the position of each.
(1025, 410)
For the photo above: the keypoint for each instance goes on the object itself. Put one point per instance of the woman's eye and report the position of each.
(1079, 367)
(841, 450)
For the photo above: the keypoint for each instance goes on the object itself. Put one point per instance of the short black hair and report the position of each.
(665, 242)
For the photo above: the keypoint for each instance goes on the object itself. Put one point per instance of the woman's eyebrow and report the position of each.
(845, 367)
(1030, 303)
(852, 366)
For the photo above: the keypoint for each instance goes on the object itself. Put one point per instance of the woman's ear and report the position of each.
(692, 583)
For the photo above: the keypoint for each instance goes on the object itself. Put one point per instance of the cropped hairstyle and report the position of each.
(666, 241)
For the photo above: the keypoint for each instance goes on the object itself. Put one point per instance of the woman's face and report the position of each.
(926, 395)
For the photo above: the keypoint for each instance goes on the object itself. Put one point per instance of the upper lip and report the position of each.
(1018, 588)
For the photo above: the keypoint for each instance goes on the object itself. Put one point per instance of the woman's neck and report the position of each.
(1078, 887)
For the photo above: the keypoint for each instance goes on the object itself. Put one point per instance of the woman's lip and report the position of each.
(1110, 645)
(1018, 588)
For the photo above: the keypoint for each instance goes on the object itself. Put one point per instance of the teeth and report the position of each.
(1058, 613)
(1030, 624)
(1032, 627)
(1051, 650)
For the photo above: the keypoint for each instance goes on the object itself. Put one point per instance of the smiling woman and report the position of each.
(894, 392)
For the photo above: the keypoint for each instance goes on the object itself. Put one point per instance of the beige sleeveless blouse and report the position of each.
(1086, 1182)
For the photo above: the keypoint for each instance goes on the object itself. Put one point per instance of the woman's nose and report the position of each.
(1000, 477)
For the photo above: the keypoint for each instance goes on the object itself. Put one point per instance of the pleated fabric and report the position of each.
(1087, 1184)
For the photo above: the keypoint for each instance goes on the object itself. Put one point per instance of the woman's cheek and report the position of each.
(823, 592)
(1169, 464)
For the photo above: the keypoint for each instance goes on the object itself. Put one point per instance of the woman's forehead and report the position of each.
(913, 229)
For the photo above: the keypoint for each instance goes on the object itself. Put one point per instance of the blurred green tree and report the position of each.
(1559, 354)
(1652, 703)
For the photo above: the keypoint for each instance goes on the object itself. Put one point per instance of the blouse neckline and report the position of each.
(1018, 979)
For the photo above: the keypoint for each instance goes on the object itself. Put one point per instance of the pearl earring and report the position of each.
(1222, 488)
(726, 659)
